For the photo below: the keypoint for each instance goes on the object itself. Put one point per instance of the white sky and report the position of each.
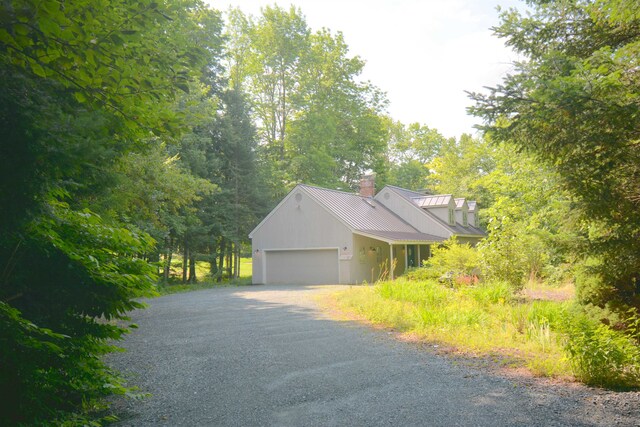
(423, 53)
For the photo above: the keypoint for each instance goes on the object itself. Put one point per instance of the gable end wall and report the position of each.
(299, 223)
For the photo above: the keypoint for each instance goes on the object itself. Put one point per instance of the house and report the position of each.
(320, 236)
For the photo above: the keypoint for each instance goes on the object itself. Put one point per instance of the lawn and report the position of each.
(204, 277)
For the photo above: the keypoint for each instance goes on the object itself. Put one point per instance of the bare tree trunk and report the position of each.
(185, 260)
(238, 271)
(214, 260)
(167, 260)
(192, 268)
(229, 260)
(221, 259)
(236, 264)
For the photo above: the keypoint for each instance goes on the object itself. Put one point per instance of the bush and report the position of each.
(600, 355)
(454, 260)
(77, 279)
(421, 274)
(503, 253)
(590, 286)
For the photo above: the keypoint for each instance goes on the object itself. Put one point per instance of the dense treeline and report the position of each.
(136, 132)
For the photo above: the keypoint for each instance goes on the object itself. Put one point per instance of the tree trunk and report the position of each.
(236, 262)
(221, 259)
(213, 269)
(238, 269)
(167, 260)
(185, 260)
(192, 268)
(229, 260)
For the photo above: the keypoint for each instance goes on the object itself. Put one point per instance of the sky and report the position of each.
(423, 53)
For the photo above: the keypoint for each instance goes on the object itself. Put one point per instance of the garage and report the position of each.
(304, 267)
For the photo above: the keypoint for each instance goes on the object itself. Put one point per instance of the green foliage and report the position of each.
(502, 253)
(460, 166)
(484, 319)
(590, 285)
(318, 123)
(600, 355)
(420, 274)
(574, 103)
(134, 56)
(411, 148)
(76, 275)
(82, 86)
(454, 259)
(492, 293)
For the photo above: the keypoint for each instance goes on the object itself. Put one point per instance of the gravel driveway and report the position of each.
(265, 355)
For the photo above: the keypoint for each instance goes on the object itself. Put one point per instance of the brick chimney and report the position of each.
(368, 185)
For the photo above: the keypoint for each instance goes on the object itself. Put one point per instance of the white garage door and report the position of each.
(304, 267)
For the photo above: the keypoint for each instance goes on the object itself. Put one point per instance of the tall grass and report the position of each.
(485, 319)
(551, 338)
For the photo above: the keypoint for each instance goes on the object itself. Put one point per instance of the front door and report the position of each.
(412, 256)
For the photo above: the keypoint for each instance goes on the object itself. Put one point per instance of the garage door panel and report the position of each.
(305, 267)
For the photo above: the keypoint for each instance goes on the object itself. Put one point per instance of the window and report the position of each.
(477, 220)
(452, 217)
(465, 219)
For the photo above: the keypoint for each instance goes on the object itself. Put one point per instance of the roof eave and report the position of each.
(395, 241)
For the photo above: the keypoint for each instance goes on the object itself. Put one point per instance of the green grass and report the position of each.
(485, 319)
(204, 277)
(179, 288)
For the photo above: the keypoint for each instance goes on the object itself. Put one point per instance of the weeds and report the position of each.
(481, 319)
(551, 338)
(600, 355)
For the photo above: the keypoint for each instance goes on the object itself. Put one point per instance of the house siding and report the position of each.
(366, 264)
(411, 213)
(441, 212)
(300, 224)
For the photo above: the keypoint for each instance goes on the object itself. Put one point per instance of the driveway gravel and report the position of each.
(267, 356)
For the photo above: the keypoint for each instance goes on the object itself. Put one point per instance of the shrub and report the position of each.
(454, 260)
(600, 355)
(421, 274)
(503, 253)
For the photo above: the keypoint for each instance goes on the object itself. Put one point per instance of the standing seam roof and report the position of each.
(458, 229)
(358, 212)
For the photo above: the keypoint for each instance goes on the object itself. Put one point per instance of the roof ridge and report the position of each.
(331, 189)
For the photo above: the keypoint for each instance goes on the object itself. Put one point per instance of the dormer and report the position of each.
(462, 212)
(473, 213)
(442, 205)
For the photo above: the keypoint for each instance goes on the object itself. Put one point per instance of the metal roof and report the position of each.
(472, 205)
(432, 201)
(397, 236)
(456, 229)
(407, 193)
(359, 213)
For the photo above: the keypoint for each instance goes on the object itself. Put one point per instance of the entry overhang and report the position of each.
(400, 238)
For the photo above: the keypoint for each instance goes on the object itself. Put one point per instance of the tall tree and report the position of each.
(411, 149)
(316, 122)
(460, 165)
(81, 85)
(337, 133)
(575, 103)
(279, 38)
